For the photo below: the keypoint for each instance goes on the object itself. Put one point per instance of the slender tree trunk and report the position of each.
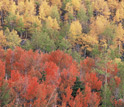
(26, 34)
(6, 76)
(21, 35)
(1, 18)
(116, 92)
(85, 51)
(119, 47)
(17, 100)
(50, 97)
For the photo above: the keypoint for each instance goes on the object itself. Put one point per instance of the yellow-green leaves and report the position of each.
(3, 41)
(120, 32)
(12, 38)
(52, 23)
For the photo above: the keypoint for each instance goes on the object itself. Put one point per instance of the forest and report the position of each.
(62, 53)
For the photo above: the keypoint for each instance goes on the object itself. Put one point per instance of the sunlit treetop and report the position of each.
(99, 24)
(56, 2)
(76, 4)
(12, 38)
(69, 7)
(75, 28)
(30, 8)
(119, 15)
(120, 32)
(52, 23)
(101, 8)
(113, 4)
(44, 10)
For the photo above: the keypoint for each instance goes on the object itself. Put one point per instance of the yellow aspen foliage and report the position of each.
(76, 4)
(87, 41)
(119, 13)
(44, 10)
(21, 8)
(3, 41)
(75, 28)
(55, 24)
(98, 4)
(12, 38)
(99, 24)
(103, 43)
(29, 16)
(117, 16)
(56, 2)
(101, 7)
(36, 23)
(120, 33)
(119, 38)
(113, 4)
(21, 1)
(12, 8)
(42, 14)
(52, 23)
(32, 23)
(5, 4)
(0, 5)
(69, 8)
(91, 39)
(30, 8)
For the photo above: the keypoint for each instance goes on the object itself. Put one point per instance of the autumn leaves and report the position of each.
(52, 79)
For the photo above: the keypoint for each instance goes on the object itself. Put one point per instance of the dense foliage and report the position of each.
(62, 53)
(36, 79)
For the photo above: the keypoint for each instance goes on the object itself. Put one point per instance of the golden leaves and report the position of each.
(75, 28)
(30, 8)
(0, 5)
(45, 10)
(99, 24)
(69, 8)
(120, 32)
(12, 38)
(113, 4)
(76, 4)
(13, 8)
(56, 2)
(119, 14)
(52, 23)
(21, 8)
(3, 41)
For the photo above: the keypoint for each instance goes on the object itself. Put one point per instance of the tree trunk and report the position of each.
(1, 18)
(85, 51)
(119, 48)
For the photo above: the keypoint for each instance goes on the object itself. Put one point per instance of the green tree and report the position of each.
(41, 40)
(4, 95)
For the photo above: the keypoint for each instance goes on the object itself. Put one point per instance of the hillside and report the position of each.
(61, 53)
